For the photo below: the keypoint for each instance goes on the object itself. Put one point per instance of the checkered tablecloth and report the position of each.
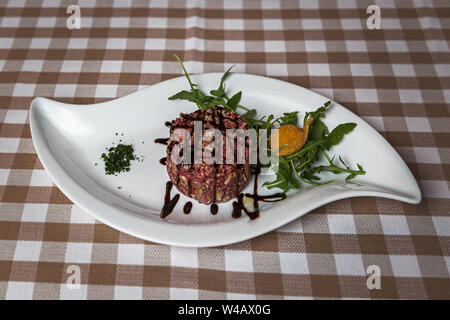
(396, 78)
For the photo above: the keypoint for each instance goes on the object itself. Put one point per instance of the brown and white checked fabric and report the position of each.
(396, 78)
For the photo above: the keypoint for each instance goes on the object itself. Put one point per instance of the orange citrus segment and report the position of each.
(289, 138)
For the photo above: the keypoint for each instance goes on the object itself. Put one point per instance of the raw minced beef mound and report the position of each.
(208, 182)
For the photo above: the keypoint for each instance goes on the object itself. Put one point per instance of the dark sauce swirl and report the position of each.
(169, 204)
(162, 140)
(214, 209)
(187, 207)
(237, 210)
(238, 206)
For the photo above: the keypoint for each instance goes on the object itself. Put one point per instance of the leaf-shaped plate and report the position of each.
(70, 138)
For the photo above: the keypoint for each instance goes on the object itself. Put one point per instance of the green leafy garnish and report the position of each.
(233, 102)
(318, 130)
(319, 141)
(194, 92)
(220, 92)
(288, 118)
(184, 95)
(285, 180)
(203, 101)
(319, 113)
(293, 168)
(338, 134)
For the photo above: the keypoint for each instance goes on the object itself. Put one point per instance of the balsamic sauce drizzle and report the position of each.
(162, 140)
(169, 204)
(187, 207)
(214, 209)
(237, 210)
(238, 206)
(163, 161)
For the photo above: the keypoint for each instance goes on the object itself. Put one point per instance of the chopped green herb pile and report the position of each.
(296, 167)
(118, 159)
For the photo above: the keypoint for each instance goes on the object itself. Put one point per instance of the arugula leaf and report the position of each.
(308, 176)
(337, 170)
(249, 117)
(194, 91)
(288, 118)
(284, 180)
(218, 96)
(220, 92)
(319, 113)
(234, 100)
(204, 99)
(269, 122)
(184, 95)
(318, 130)
(319, 140)
(338, 133)
(309, 146)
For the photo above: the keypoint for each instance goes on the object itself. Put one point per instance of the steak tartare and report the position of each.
(208, 181)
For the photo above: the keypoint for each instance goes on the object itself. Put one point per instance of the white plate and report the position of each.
(70, 138)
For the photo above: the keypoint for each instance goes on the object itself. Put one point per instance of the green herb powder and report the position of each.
(118, 158)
